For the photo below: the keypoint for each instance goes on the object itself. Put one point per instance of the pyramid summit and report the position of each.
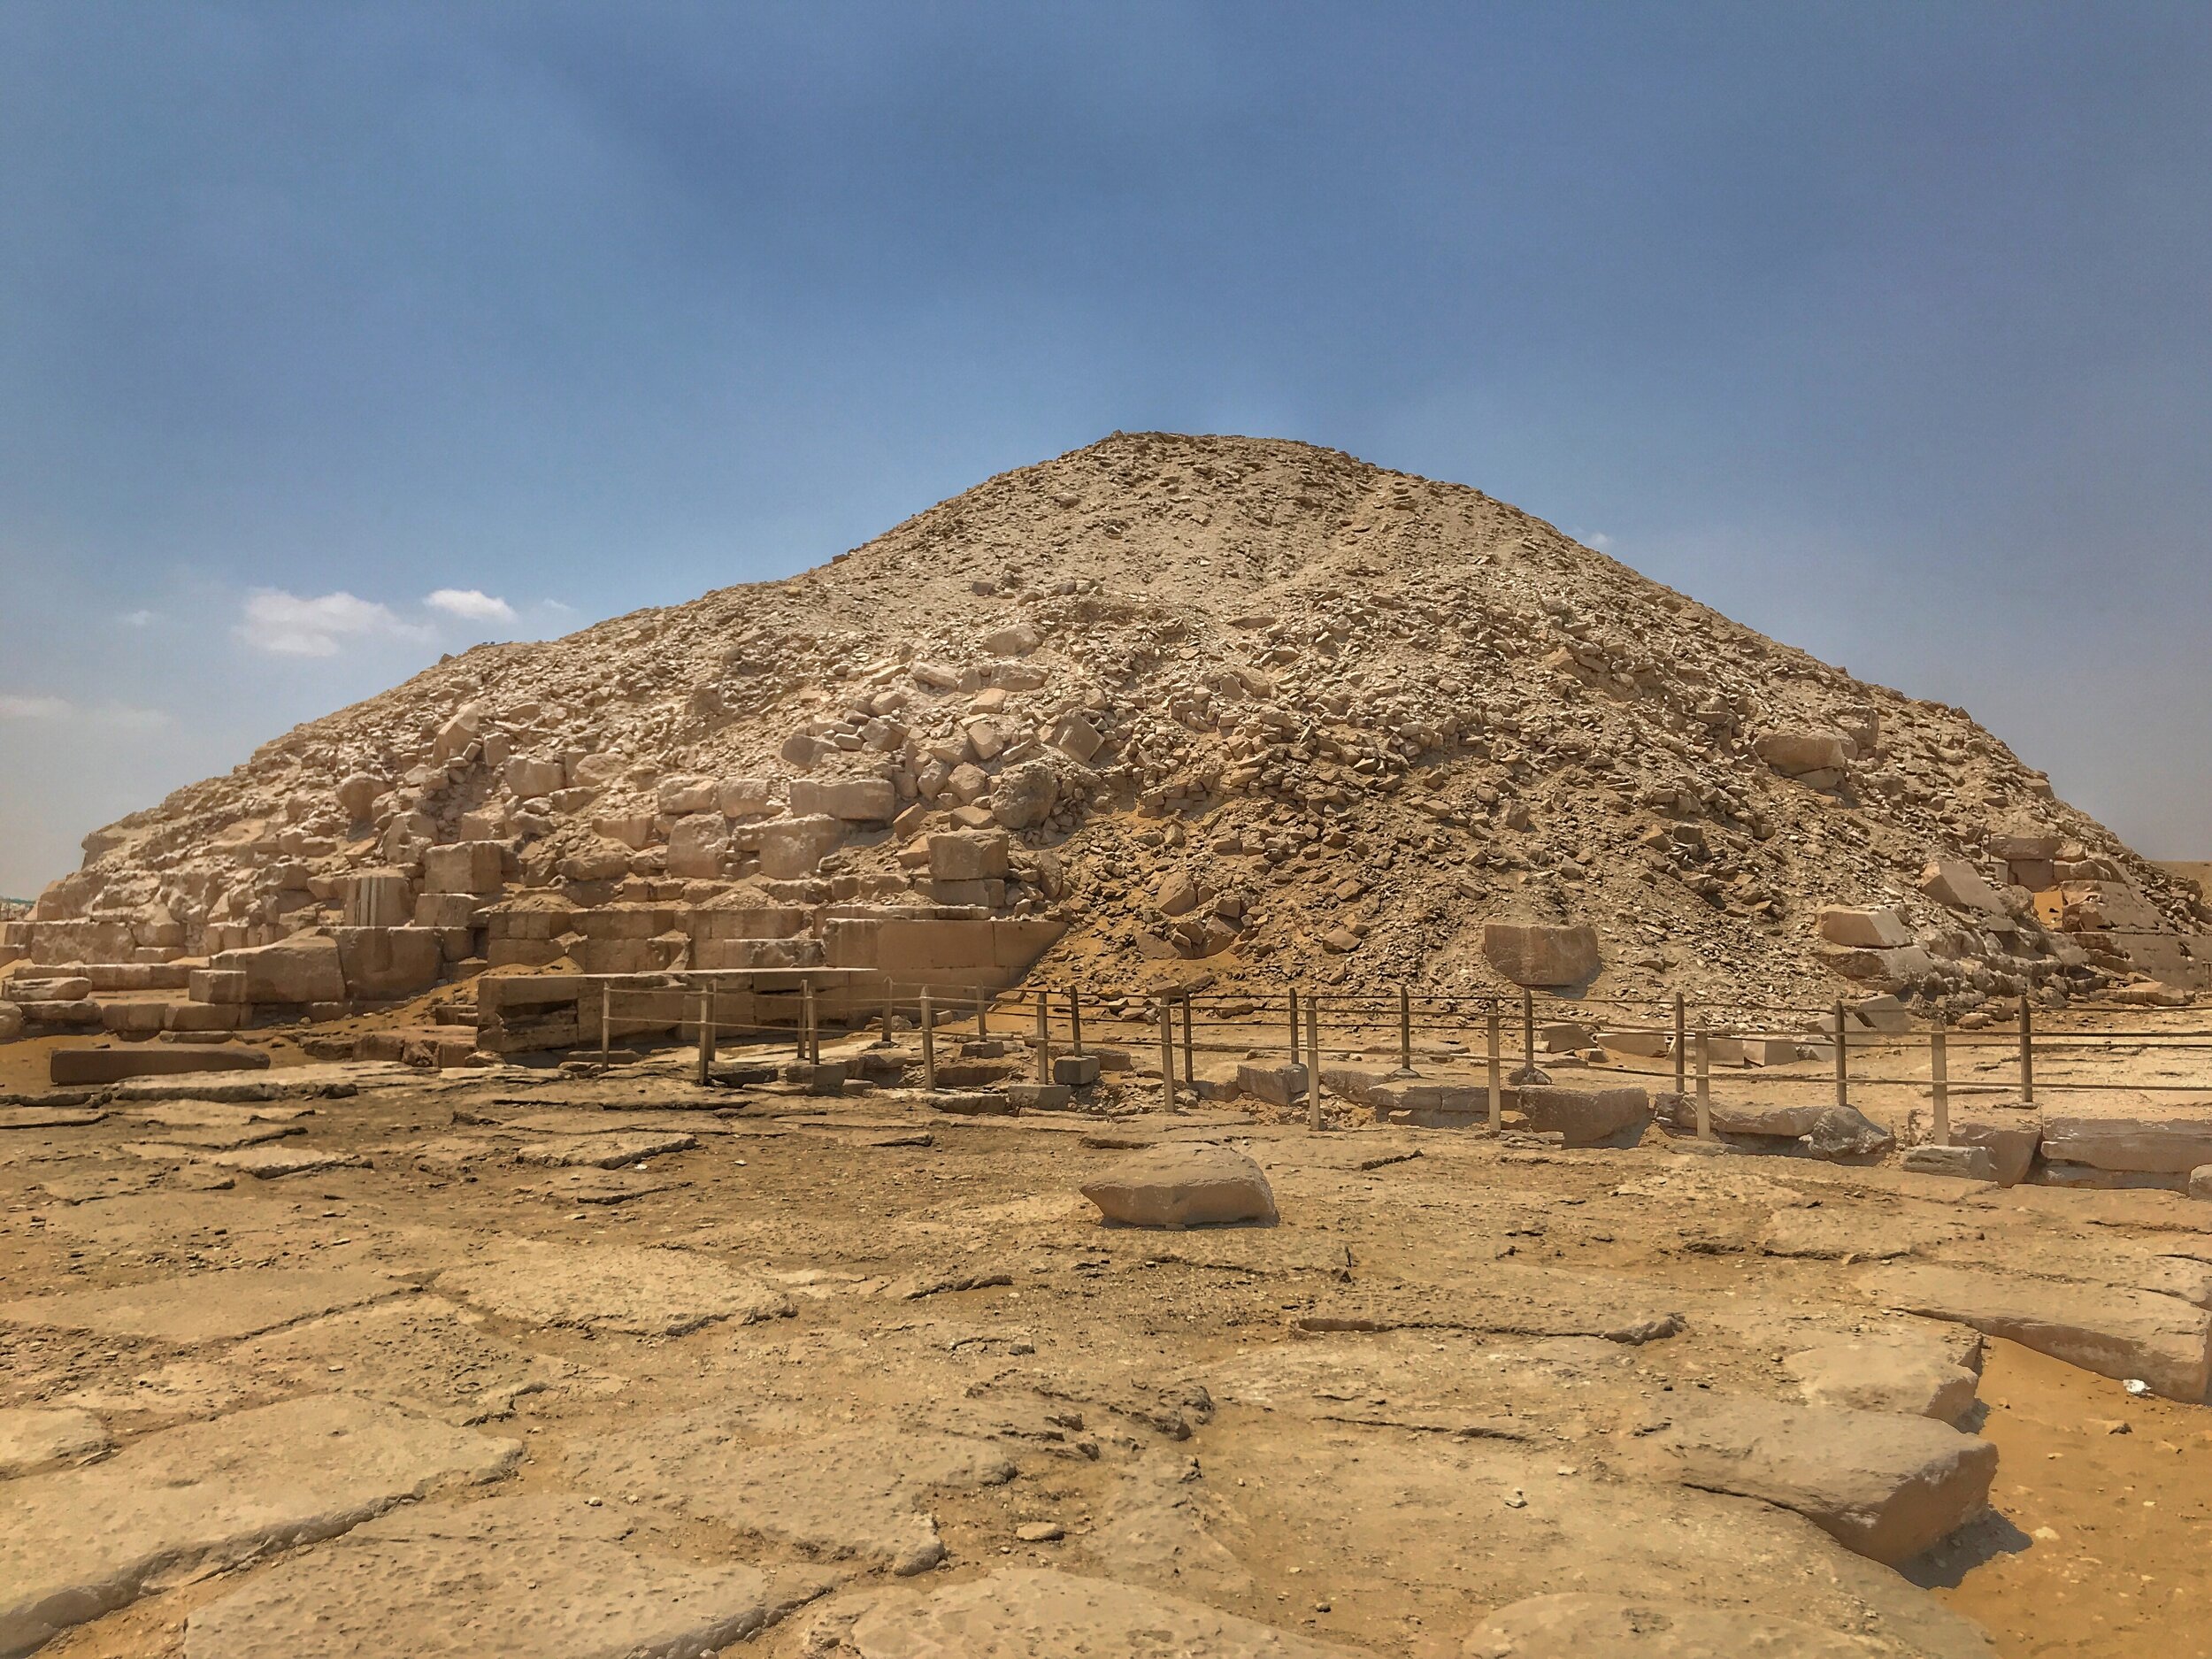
(1163, 708)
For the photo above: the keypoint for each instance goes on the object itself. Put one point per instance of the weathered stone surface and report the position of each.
(189, 1501)
(1826, 1233)
(858, 1493)
(1279, 1084)
(1023, 795)
(1022, 1613)
(268, 1163)
(610, 1286)
(213, 1307)
(1769, 1120)
(302, 969)
(795, 847)
(2162, 1146)
(1798, 753)
(1585, 1625)
(1541, 953)
(32, 1439)
(541, 1574)
(968, 856)
(1876, 927)
(2011, 1139)
(2102, 1328)
(605, 1152)
(1587, 1117)
(856, 800)
(1182, 1184)
(1958, 885)
(146, 1059)
(1886, 1485)
(1893, 1374)
(1966, 1163)
(1843, 1131)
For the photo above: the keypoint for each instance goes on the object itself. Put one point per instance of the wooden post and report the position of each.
(1843, 1063)
(1313, 1060)
(1528, 1030)
(805, 1005)
(813, 1027)
(606, 1022)
(706, 1036)
(889, 999)
(982, 1013)
(1704, 1086)
(1405, 1029)
(1075, 1018)
(1681, 1045)
(1497, 1082)
(2027, 1054)
(1940, 1086)
(929, 1043)
(1167, 1052)
(1044, 1035)
(1293, 1024)
(1190, 1061)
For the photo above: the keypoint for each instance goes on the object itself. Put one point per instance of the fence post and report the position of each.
(1075, 1018)
(1190, 1063)
(2027, 1054)
(890, 997)
(1044, 1035)
(1843, 1063)
(1313, 1060)
(813, 1027)
(706, 1036)
(1939, 1084)
(1681, 1045)
(1528, 1033)
(1497, 1083)
(982, 1013)
(1167, 1051)
(1405, 1029)
(1704, 1086)
(929, 1043)
(606, 1022)
(1293, 1024)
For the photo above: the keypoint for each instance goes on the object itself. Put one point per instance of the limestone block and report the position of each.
(1182, 1184)
(2028, 842)
(1956, 884)
(1796, 754)
(376, 898)
(1886, 1485)
(302, 969)
(147, 1059)
(12, 1022)
(1906, 965)
(696, 846)
(1024, 796)
(632, 830)
(1539, 953)
(1018, 640)
(794, 848)
(1076, 735)
(357, 794)
(387, 964)
(1884, 1373)
(854, 800)
(465, 867)
(1279, 1084)
(1587, 1117)
(1970, 1163)
(746, 797)
(679, 797)
(1875, 927)
(527, 777)
(203, 1016)
(1844, 1132)
(968, 854)
(447, 909)
(2166, 1146)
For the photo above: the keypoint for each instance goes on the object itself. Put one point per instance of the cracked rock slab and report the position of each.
(1026, 1611)
(189, 1501)
(624, 1287)
(543, 1575)
(32, 1439)
(197, 1308)
(857, 1494)
(603, 1151)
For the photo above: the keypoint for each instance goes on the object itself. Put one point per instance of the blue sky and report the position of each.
(1881, 328)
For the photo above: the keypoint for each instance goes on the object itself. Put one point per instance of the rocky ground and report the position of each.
(346, 1358)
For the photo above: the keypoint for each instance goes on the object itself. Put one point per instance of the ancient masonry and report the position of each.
(1160, 710)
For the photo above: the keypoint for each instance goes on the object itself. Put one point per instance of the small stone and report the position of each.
(1040, 1532)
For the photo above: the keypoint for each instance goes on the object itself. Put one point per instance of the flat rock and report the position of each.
(197, 1308)
(226, 1138)
(1023, 1612)
(1586, 1116)
(187, 1502)
(2161, 1146)
(1828, 1232)
(1507, 1299)
(2102, 1328)
(1584, 1625)
(850, 1495)
(611, 1287)
(541, 1574)
(1182, 1184)
(268, 1164)
(32, 1439)
(84, 1181)
(1872, 1373)
(49, 1117)
(603, 1187)
(148, 1059)
(1884, 1485)
(603, 1151)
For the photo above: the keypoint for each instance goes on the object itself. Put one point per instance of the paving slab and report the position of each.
(214, 1307)
(541, 1574)
(32, 1439)
(2102, 1328)
(192, 1501)
(1882, 1484)
(1024, 1612)
(849, 1494)
(1585, 1625)
(611, 1287)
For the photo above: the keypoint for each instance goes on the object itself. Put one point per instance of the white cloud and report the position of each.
(471, 604)
(116, 716)
(139, 618)
(288, 624)
(33, 708)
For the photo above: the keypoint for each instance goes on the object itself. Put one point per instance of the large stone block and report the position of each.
(1541, 953)
(465, 867)
(149, 1059)
(1796, 754)
(968, 854)
(1587, 1117)
(528, 778)
(1875, 927)
(386, 964)
(852, 799)
(1958, 885)
(746, 797)
(794, 848)
(696, 845)
(304, 968)
(1182, 1184)
(376, 898)
(2165, 1146)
